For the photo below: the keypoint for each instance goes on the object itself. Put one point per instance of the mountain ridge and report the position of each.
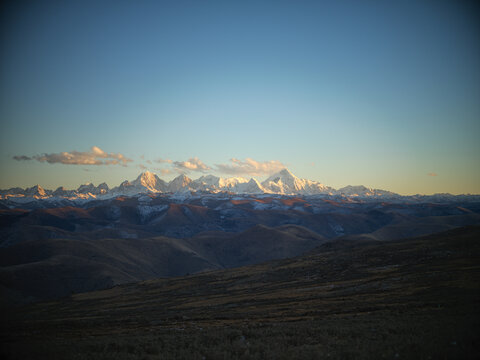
(283, 183)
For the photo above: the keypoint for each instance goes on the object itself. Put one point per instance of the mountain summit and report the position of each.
(150, 182)
(180, 183)
(284, 182)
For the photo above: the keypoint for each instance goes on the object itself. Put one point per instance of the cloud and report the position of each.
(192, 164)
(22, 158)
(163, 161)
(141, 166)
(165, 171)
(250, 167)
(95, 156)
(432, 174)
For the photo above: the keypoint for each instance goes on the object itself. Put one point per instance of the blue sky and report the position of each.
(380, 93)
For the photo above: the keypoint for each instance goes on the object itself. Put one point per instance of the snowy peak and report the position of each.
(350, 190)
(363, 191)
(180, 183)
(284, 182)
(86, 188)
(208, 183)
(125, 188)
(150, 182)
(231, 182)
(215, 183)
(285, 173)
(125, 184)
(250, 187)
(36, 190)
(146, 178)
(102, 188)
(209, 180)
(62, 192)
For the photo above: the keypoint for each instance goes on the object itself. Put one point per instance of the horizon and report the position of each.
(171, 178)
(380, 95)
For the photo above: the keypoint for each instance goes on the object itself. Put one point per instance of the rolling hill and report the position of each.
(49, 268)
(411, 298)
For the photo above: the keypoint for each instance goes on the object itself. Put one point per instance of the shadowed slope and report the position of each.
(257, 244)
(49, 268)
(150, 216)
(416, 298)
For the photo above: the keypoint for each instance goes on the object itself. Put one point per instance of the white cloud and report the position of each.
(95, 156)
(192, 164)
(250, 167)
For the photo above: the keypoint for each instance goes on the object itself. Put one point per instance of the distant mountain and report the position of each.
(180, 183)
(149, 182)
(146, 182)
(62, 192)
(36, 190)
(363, 191)
(283, 182)
(89, 188)
(251, 187)
(215, 183)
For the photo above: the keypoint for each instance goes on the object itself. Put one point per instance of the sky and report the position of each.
(380, 93)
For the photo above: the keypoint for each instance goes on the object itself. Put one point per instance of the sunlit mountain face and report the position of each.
(148, 183)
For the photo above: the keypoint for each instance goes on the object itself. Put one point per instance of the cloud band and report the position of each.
(95, 156)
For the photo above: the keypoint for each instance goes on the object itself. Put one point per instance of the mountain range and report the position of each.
(280, 183)
(51, 249)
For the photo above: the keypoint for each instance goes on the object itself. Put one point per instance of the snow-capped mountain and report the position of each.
(250, 187)
(363, 191)
(281, 183)
(146, 182)
(62, 192)
(36, 190)
(149, 182)
(215, 183)
(179, 184)
(102, 188)
(13, 191)
(88, 189)
(285, 183)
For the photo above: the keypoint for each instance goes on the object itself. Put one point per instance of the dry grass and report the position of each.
(417, 298)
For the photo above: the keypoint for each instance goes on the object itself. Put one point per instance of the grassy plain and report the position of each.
(416, 298)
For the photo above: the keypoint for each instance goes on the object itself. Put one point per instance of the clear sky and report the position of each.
(380, 93)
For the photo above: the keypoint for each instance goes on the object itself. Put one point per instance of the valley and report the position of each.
(57, 251)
